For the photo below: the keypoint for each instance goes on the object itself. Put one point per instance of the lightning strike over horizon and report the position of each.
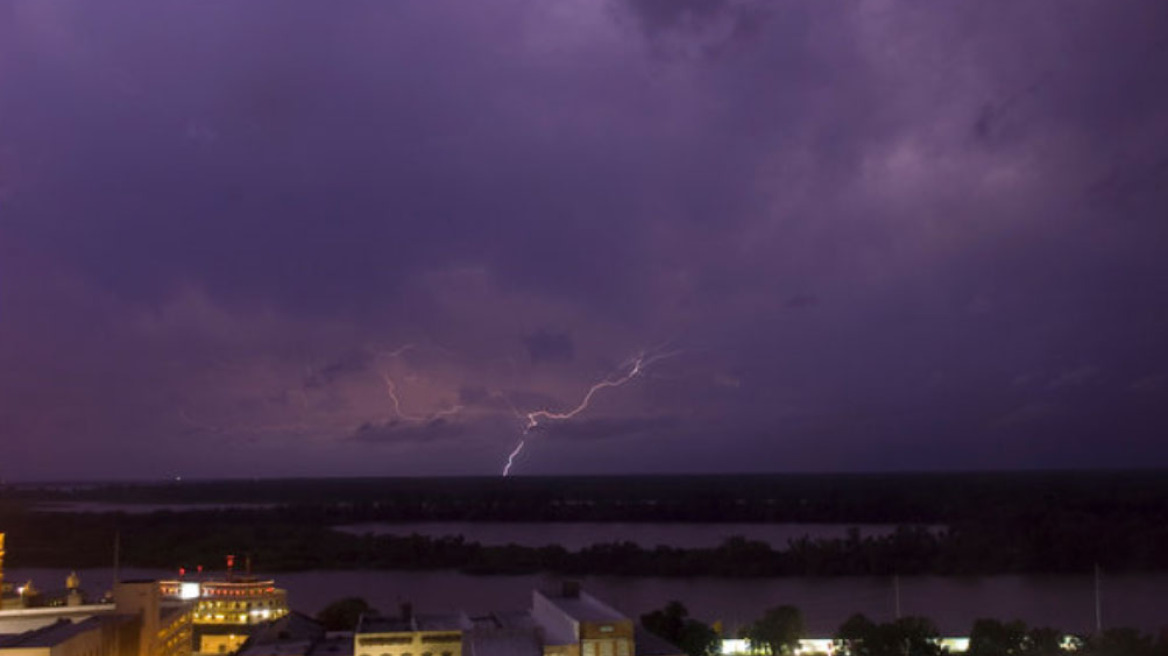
(391, 392)
(636, 366)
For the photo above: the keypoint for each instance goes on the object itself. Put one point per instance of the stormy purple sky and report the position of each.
(872, 236)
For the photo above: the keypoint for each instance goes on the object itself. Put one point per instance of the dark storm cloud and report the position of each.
(546, 346)
(399, 432)
(802, 301)
(735, 18)
(355, 362)
(228, 220)
(607, 428)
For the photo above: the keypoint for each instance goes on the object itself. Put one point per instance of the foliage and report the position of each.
(952, 524)
(343, 614)
(1122, 642)
(674, 625)
(907, 636)
(777, 632)
(1044, 641)
(991, 637)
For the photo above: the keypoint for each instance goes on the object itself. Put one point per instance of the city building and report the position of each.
(166, 625)
(228, 611)
(410, 634)
(577, 624)
(138, 623)
(109, 635)
(564, 622)
(296, 634)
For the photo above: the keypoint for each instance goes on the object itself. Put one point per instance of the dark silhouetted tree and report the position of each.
(907, 636)
(777, 632)
(1120, 642)
(674, 625)
(342, 614)
(991, 637)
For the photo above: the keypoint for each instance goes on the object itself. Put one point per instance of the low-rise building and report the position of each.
(410, 634)
(565, 622)
(297, 634)
(227, 612)
(110, 635)
(578, 624)
(138, 623)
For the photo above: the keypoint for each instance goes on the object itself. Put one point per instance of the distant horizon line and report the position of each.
(181, 480)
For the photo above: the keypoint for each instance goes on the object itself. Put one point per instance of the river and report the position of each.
(952, 603)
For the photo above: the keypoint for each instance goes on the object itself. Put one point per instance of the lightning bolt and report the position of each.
(633, 367)
(391, 392)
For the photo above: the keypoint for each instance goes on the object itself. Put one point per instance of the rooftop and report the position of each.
(518, 620)
(516, 642)
(582, 606)
(334, 645)
(409, 622)
(51, 635)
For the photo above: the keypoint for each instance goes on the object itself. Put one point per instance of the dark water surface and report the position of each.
(1060, 601)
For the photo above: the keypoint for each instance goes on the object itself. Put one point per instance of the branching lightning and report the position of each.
(632, 368)
(391, 392)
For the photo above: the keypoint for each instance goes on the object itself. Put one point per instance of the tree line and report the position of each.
(922, 498)
(779, 631)
(1051, 544)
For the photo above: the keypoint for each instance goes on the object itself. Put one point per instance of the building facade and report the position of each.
(411, 635)
(138, 623)
(227, 612)
(565, 622)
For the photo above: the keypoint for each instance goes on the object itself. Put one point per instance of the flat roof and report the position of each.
(334, 645)
(419, 622)
(441, 621)
(51, 635)
(503, 643)
(380, 624)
